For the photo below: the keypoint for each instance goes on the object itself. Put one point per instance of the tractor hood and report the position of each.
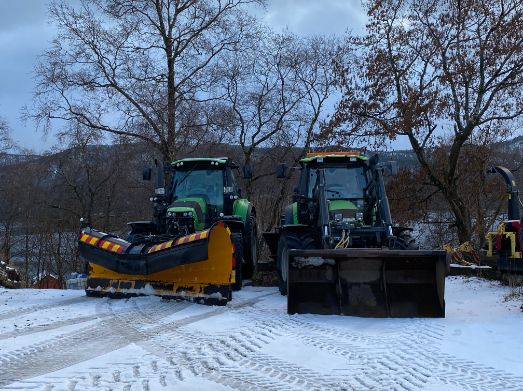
(344, 207)
(194, 207)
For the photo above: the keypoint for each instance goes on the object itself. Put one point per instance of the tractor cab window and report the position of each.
(340, 182)
(199, 182)
(231, 180)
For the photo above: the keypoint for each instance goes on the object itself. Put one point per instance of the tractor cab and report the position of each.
(202, 191)
(345, 183)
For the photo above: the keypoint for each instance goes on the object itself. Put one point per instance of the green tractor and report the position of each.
(199, 245)
(202, 192)
(338, 252)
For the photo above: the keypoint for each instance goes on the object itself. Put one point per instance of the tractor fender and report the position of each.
(272, 238)
(294, 228)
(234, 223)
(243, 208)
(298, 228)
(290, 214)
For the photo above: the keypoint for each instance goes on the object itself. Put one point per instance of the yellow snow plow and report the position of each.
(198, 267)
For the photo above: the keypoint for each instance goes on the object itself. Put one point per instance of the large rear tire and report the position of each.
(405, 241)
(237, 241)
(290, 241)
(250, 247)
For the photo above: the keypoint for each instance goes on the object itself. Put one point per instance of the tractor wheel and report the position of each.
(289, 241)
(237, 241)
(405, 241)
(249, 247)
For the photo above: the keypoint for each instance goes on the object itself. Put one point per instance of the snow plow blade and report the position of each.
(367, 282)
(197, 267)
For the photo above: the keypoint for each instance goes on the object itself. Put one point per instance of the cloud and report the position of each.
(19, 14)
(316, 17)
(25, 33)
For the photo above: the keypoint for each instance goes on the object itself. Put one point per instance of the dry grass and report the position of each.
(265, 278)
(515, 282)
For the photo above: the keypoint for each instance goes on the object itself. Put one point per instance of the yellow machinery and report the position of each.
(503, 236)
(198, 267)
(507, 242)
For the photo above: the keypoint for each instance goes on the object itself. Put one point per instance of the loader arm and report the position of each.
(323, 218)
(384, 203)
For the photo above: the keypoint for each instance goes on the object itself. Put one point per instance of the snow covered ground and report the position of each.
(62, 340)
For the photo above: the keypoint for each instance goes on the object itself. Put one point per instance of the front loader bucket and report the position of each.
(367, 282)
(197, 267)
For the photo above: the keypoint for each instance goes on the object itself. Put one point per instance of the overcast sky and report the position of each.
(25, 33)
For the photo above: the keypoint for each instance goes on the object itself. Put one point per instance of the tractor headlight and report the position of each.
(170, 214)
(338, 216)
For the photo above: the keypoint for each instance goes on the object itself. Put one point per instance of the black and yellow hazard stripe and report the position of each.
(197, 267)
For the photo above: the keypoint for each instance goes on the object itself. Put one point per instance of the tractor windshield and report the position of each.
(340, 182)
(199, 182)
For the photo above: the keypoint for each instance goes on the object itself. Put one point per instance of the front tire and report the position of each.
(290, 241)
(405, 241)
(250, 247)
(237, 242)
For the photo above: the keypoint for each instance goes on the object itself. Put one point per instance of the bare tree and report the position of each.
(278, 92)
(6, 142)
(438, 73)
(144, 69)
(9, 193)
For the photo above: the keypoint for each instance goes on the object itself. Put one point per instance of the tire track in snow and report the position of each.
(120, 327)
(51, 326)
(77, 346)
(181, 357)
(36, 308)
(234, 359)
(405, 358)
(410, 359)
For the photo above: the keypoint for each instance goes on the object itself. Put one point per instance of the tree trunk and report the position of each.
(26, 258)
(248, 181)
(7, 243)
(461, 215)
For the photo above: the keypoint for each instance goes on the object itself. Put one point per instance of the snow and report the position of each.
(63, 340)
(313, 261)
(472, 266)
(480, 325)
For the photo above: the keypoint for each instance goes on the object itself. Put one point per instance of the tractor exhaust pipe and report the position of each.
(160, 178)
(512, 191)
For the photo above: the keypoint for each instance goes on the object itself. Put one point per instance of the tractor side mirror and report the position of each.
(247, 171)
(146, 174)
(281, 170)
